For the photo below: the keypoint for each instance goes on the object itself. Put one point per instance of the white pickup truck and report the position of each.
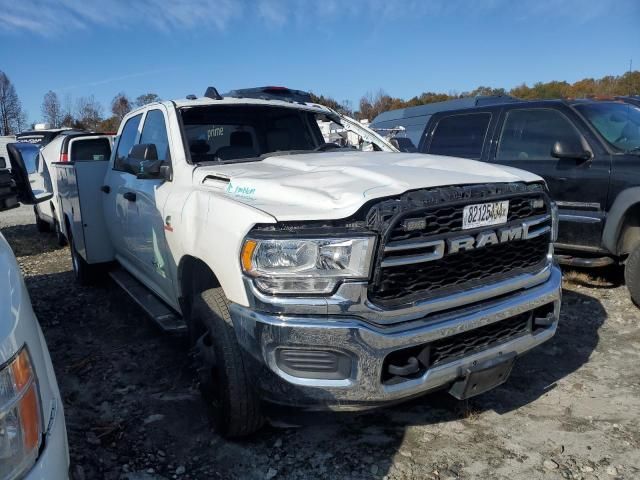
(311, 274)
(33, 438)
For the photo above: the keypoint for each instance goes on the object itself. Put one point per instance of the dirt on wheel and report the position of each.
(571, 408)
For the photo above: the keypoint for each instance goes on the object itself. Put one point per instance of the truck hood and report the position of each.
(335, 185)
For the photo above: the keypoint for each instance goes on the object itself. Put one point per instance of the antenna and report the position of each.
(212, 93)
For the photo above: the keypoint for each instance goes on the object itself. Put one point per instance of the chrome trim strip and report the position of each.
(398, 246)
(351, 299)
(579, 205)
(437, 253)
(438, 243)
(578, 218)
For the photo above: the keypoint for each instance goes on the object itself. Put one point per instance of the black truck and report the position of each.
(588, 151)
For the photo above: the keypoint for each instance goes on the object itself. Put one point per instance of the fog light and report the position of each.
(315, 364)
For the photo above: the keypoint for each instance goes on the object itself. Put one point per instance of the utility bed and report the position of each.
(79, 183)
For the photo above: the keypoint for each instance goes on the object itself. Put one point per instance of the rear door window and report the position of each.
(460, 135)
(529, 134)
(96, 149)
(126, 141)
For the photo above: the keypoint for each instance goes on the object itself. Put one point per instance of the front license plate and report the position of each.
(483, 214)
(483, 377)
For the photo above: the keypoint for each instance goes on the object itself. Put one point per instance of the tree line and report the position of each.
(371, 105)
(88, 113)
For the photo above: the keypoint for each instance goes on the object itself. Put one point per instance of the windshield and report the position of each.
(618, 123)
(248, 132)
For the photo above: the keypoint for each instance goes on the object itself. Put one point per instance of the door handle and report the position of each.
(130, 196)
(105, 188)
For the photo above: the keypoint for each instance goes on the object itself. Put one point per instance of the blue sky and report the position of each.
(339, 48)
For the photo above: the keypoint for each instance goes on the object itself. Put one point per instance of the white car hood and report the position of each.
(335, 185)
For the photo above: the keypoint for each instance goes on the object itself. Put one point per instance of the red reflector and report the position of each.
(64, 157)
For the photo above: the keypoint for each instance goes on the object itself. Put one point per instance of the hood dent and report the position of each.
(335, 184)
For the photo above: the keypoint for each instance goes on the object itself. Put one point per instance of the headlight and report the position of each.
(20, 417)
(306, 265)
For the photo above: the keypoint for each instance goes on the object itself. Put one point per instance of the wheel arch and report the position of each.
(67, 226)
(194, 276)
(622, 228)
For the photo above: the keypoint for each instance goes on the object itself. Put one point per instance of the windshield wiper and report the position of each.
(328, 146)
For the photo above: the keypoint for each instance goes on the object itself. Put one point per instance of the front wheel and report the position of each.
(223, 372)
(632, 274)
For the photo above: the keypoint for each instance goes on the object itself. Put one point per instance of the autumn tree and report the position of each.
(88, 113)
(147, 98)
(67, 119)
(51, 109)
(120, 105)
(12, 118)
(109, 125)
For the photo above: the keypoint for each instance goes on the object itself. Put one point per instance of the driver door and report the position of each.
(145, 225)
(526, 138)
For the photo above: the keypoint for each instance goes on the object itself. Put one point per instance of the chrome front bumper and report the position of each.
(367, 342)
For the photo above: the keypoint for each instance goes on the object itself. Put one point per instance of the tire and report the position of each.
(85, 273)
(222, 367)
(632, 274)
(61, 240)
(41, 225)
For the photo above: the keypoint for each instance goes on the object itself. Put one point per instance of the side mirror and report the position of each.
(31, 188)
(403, 144)
(145, 163)
(144, 151)
(570, 150)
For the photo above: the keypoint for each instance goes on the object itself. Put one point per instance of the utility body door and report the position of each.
(524, 139)
(80, 198)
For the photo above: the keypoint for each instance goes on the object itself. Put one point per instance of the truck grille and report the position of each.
(468, 343)
(402, 277)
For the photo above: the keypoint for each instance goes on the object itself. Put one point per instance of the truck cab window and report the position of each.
(618, 123)
(529, 134)
(460, 135)
(126, 141)
(155, 131)
(93, 149)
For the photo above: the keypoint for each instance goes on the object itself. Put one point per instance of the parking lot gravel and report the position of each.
(571, 408)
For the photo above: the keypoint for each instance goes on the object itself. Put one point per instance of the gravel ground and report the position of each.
(571, 408)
